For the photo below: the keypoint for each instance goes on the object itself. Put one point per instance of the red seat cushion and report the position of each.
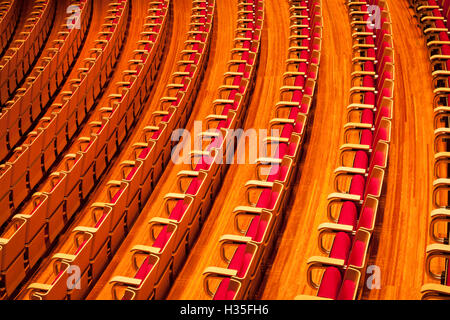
(374, 186)
(367, 116)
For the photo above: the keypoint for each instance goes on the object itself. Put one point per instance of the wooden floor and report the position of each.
(404, 225)
(59, 20)
(401, 235)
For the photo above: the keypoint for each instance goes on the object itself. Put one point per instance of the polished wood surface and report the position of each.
(24, 14)
(61, 19)
(138, 14)
(274, 46)
(403, 230)
(221, 46)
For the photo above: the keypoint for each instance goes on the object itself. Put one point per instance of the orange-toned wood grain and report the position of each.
(223, 36)
(403, 232)
(138, 14)
(25, 10)
(99, 13)
(205, 253)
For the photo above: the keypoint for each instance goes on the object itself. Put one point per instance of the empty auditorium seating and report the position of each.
(69, 183)
(257, 221)
(81, 170)
(155, 264)
(70, 108)
(48, 75)
(358, 182)
(19, 111)
(20, 56)
(433, 18)
(9, 19)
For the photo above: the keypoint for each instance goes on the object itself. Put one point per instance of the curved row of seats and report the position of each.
(19, 114)
(57, 128)
(153, 266)
(433, 18)
(9, 19)
(31, 233)
(258, 221)
(27, 105)
(83, 169)
(21, 54)
(352, 209)
(97, 237)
